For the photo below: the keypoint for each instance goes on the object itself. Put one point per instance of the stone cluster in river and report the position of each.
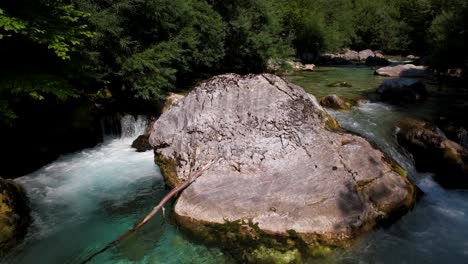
(333, 101)
(404, 70)
(288, 183)
(402, 90)
(367, 56)
(433, 151)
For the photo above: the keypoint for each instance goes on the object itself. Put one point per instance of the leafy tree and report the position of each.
(149, 47)
(319, 25)
(448, 38)
(254, 34)
(378, 26)
(29, 29)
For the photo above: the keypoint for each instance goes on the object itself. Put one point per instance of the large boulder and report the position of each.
(406, 70)
(433, 152)
(351, 55)
(285, 183)
(14, 214)
(364, 54)
(402, 90)
(334, 102)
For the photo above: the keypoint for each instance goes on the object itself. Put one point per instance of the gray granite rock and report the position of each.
(283, 167)
(406, 70)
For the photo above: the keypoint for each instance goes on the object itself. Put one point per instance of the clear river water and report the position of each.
(84, 200)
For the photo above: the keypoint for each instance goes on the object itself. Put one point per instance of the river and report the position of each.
(84, 200)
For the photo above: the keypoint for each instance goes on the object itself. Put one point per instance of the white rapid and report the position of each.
(84, 200)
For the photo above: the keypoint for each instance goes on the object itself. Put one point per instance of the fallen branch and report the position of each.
(177, 189)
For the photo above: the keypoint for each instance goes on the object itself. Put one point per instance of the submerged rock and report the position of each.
(141, 143)
(402, 90)
(334, 102)
(406, 70)
(433, 152)
(14, 214)
(286, 184)
(339, 84)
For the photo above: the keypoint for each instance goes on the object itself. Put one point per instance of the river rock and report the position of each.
(14, 214)
(433, 152)
(141, 143)
(351, 55)
(334, 102)
(285, 183)
(308, 67)
(364, 54)
(406, 70)
(340, 84)
(402, 90)
(296, 65)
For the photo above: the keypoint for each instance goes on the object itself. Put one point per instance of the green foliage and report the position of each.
(254, 34)
(53, 23)
(9, 25)
(378, 26)
(319, 25)
(28, 29)
(448, 39)
(152, 46)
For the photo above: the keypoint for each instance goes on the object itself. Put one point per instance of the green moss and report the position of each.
(321, 251)
(339, 84)
(168, 168)
(331, 123)
(249, 244)
(265, 255)
(393, 211)
(14, 214)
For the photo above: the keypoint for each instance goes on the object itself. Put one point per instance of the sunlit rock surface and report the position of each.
(283, 170)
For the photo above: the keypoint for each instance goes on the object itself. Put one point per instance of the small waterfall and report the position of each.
(133, 127)
(123, 126)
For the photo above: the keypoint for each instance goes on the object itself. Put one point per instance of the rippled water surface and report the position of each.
(86, 199)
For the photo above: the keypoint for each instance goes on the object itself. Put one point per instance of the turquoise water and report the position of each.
(362, 79)
(84, 200)
(436, 230)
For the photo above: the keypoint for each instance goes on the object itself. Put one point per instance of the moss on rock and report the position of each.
(14, 214)
(250, 244)
(168, 168)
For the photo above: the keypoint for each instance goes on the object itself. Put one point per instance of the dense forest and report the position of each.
(70, 58)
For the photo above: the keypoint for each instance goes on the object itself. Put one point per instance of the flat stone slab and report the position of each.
(406, 70)
(282, 166)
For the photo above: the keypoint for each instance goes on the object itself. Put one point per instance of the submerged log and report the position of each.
(192, 177)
